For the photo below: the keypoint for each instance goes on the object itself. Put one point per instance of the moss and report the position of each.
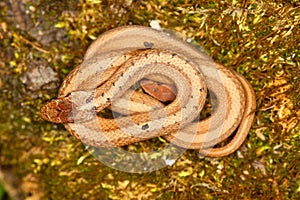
(258, 39)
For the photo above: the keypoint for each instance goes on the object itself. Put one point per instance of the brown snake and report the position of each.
(118, 60)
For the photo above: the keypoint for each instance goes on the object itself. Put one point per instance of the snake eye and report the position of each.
(145, 126)
(148, 44)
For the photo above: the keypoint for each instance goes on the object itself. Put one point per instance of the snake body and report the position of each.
(119, 59)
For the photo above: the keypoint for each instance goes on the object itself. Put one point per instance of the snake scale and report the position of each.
(124, 57)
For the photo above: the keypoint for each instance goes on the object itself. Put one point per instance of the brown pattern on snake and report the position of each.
(117, 60)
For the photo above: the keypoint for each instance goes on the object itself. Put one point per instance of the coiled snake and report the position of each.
(123, 58)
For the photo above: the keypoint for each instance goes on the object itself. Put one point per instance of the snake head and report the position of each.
(57, 111)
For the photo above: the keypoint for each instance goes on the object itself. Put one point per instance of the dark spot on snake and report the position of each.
(108, 99)
(113, 83)
(106, 141)
(145, 126)
(102, 94)
(195, 107)
(192, 96)
(148, 44)
(90, 98)
(173, 55)
(94, 108)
